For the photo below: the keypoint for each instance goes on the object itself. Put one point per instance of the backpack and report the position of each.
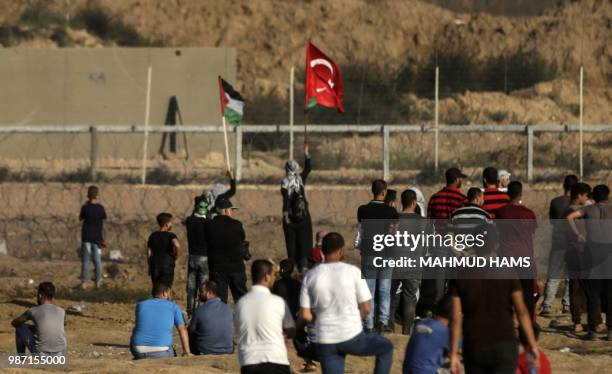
(298, 210)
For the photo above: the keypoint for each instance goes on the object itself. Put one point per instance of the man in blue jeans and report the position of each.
(376, 213)
(340, 300)
(93, 216)
(152, 334)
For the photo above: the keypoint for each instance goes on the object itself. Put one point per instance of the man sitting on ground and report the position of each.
(261, 319)
(340, 299)
(210, 329)
(46, 336)
(152, 334)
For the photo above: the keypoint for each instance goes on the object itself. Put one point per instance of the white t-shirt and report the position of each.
(259, 319)
(333, 291)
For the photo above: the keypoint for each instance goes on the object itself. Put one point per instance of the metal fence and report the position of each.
(385, 132)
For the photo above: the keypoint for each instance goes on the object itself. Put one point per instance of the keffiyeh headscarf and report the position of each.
(292, 181)
(213, 192)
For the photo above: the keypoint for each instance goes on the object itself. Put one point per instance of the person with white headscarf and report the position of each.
(297, 225)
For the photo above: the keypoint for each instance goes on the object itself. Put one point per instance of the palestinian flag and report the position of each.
(232, 103)
(323, 80)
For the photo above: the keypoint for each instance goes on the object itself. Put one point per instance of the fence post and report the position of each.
(529, 153)
(93, 153)
(238, 158)
(386, 175)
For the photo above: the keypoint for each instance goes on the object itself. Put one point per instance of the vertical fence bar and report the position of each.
(386, 174)
(238, 158)
(145, 145)
(437, 122)
(93, 153)
(581, 136)
(291, 77)
(529, 154)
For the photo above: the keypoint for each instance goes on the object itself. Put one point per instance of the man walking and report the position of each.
(441, 205)
(598, 223)
(379, 286)
(197, 266)
(516, 239)
(225, 237)
(557, 265)
(260, 320)
(340, 299)
(93, 216)
(404, 288)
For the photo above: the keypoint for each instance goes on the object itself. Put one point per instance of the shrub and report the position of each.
(518, 70)
(99, 22)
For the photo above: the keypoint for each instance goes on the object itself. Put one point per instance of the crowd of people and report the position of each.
(326, 307)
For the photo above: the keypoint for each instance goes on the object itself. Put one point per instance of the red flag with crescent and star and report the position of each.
(323, 80)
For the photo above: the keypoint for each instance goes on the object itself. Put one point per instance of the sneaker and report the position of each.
(98, 283)
(83, 286)
(383, 328)
(600, 328)
(546, 311)
(368, 330)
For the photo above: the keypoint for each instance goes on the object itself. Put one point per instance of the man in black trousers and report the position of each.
(225, 237)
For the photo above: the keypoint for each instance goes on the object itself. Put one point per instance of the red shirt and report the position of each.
(516, 235)
(494, 199)
(523, 368)
(444, 202)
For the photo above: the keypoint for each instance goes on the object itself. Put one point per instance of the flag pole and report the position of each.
(146, 128)
(291, 77)
(227, 159)
(306, 128)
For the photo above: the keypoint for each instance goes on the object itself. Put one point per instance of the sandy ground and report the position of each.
(99, 336)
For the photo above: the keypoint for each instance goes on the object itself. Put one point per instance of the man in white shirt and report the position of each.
(260, 320)
(340, 300)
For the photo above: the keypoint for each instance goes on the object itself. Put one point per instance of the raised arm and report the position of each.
(307, 165)
(232, 191)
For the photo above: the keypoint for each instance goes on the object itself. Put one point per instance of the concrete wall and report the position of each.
(88, 86)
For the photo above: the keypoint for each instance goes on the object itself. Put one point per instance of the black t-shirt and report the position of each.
(289, 289)
(196, 235)
(224, 236)
(93, 216)
(162, 249)
(376, 209)
(488, 311)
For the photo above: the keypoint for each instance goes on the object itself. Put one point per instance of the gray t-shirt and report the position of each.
(49, 321)
(598, 223)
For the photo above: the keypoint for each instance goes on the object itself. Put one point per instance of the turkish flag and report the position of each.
(323, 80)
